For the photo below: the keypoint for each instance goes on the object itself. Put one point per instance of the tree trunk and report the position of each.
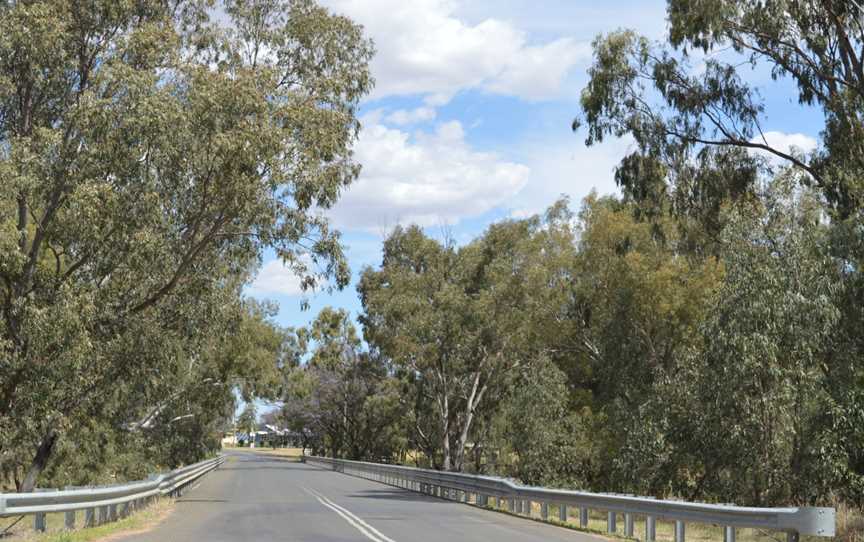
(474, 399)
(43, 454)
(445, 438)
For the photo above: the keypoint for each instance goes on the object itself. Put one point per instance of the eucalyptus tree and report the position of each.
(149, 154)
(702, 143)
(656, 94)
(463, 323)
(343, 399)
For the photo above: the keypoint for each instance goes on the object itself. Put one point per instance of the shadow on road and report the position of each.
(395, 495)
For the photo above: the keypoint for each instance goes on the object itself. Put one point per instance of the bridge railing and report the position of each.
(480, 490)
(101, 504)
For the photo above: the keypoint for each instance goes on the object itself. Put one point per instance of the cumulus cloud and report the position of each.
(565, 166)
(275, 278)
(425, 48)
(404, 117)
(427, 178)
(789, 143)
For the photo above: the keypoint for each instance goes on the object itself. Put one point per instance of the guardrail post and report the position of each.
(679, 531)
(103, 515)
(526, 507)
(611, 525)
(512, 504)
(39, 522)
(125, 510)
(729, 534)
(69, 520)
(562, 513)
(628, 525)
(89, 517)
(650, 528)
(112, 512)
(583, 517)
(544, 511)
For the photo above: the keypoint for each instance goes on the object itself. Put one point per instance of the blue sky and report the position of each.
(470, 122)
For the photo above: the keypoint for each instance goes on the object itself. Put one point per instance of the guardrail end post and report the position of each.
(611, 524)
(628, 525)
(650, 528)
(562, 513)
(729, 534)
(39, 522)
(69, 522)
(792, 536)
(679, 531)
(583, 517)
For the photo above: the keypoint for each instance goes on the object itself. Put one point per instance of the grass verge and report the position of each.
(140, 521)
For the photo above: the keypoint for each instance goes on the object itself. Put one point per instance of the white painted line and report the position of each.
(367, 530)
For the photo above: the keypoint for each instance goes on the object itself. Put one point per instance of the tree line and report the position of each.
(699, 335)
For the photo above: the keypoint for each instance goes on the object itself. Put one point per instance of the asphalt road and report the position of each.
(253, 497)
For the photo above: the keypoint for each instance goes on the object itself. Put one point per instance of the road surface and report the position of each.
(259, 498)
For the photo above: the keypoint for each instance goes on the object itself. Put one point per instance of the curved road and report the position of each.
(255, 497)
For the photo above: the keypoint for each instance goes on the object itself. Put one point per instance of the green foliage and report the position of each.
(460, 323)
(769, 385)
(550, 441)
(149, 156)
(343, 400)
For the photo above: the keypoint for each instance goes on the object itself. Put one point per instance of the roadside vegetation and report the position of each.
(139, 521)
(700, 335)
(150, 153)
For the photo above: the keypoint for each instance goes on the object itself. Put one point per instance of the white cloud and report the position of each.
(403, 117)
(275, 278)
(424, 48)
(567, 167)
(789, 143)
(425, 178)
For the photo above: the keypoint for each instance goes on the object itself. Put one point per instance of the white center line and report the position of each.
(367, 530)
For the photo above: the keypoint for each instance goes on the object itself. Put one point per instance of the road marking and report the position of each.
(367, 530)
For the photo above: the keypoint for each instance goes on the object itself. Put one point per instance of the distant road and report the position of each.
(259, 498)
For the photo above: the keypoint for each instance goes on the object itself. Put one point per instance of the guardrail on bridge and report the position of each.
(100, 504)
(478, 490)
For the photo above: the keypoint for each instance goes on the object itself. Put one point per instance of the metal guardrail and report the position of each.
(479, 490)
(100, 504)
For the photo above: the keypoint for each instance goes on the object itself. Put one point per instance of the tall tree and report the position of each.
(343, 399)
(148, 157)
(462, 322)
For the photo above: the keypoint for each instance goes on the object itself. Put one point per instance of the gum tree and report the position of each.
(149, 155)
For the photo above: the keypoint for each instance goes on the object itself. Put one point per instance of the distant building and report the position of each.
(267, 435)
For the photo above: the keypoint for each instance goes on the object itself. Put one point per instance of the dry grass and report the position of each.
(140, 521)
(850, 523)
(293, 453)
